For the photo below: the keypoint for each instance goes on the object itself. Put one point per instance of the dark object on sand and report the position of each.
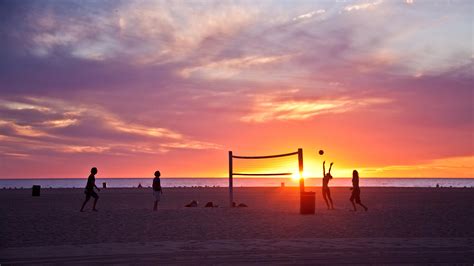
(437, 185)
(36, 191)
(192, 204)
(210, 204)
(104, 185)
(240, 205)
(307, 202)
(139, 185)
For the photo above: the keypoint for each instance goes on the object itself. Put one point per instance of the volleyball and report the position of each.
(321, 152)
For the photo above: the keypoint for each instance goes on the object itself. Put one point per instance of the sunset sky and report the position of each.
(384, 87)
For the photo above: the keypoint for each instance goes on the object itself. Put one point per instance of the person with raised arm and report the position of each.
(326, 192)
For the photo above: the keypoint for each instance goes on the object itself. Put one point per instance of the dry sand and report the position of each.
(403, 225)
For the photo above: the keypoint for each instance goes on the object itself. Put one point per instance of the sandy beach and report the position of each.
(403, 225)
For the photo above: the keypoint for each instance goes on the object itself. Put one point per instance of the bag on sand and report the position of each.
(192, 204)
(210, 204)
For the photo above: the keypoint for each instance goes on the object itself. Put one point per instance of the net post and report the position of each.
(231, 192)
(300, 166)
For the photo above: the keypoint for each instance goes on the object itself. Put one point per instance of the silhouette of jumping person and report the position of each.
(355, 196)
(157, 191)
(89, 191)
(326, 192)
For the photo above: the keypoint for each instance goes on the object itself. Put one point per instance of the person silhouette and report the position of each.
(326, 192)
(157, 191)
(89, 190)
(355, 196)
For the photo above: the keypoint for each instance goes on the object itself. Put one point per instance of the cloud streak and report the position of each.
(269, 109)
(41, 132)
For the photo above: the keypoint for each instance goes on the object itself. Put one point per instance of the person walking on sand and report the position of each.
(355, 196)
(89, 191)
(326, 192)
(157, 191)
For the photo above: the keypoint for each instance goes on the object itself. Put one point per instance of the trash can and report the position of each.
(36, 191)
(307, 202)
(104, 185)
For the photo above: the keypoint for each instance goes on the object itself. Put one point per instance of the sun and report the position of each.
(296, 176)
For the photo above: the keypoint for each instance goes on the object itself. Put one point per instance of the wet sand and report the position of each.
(403, 225)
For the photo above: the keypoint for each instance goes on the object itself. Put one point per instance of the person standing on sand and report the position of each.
(89, 191)
(326, 192)
(157, 191)
(355, 196)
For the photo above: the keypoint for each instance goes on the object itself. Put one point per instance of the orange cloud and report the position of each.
(23, 130)
(269, 109)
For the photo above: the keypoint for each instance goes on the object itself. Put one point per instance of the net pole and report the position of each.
(231, 192)
(300, 167)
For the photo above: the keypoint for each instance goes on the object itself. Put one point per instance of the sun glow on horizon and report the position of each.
(295, 176)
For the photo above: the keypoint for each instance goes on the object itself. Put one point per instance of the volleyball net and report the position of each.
(285, 164)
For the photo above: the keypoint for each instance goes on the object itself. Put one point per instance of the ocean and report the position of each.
(238, 182)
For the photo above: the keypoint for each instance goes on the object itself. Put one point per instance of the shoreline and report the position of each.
(238, 182)
(147, 177)
(221, 187)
